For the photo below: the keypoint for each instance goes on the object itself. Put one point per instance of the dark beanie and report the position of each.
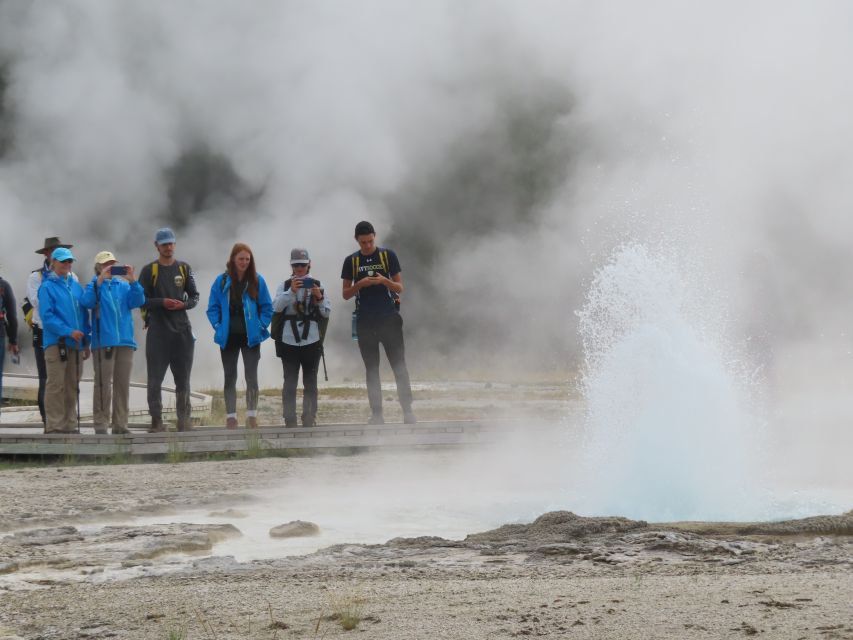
(364, 228)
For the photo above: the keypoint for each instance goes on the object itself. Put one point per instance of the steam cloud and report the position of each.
(502, 148)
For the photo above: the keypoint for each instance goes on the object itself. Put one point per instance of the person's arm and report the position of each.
(264, 303)
(395, 280)
(50, 320)
(325, 306)
(33, 284)
(11, 317)
(283, 297)
(190, 290)
(214, 307)
(89, 298)
(135, 294)
(151, 300)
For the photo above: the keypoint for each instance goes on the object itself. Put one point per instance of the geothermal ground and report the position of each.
(159, 551)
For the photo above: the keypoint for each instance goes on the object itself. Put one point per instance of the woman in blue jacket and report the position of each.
(240, 310)
(112, 300)
(65, 326)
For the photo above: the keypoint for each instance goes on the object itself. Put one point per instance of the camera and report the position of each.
(307, 282)
(118, 270)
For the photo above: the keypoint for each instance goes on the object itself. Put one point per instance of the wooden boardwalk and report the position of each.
(20, 440)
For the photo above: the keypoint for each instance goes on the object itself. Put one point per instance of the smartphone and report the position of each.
(307, 282)
(118, 270)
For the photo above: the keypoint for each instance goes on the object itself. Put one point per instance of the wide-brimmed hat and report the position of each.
(52, 243)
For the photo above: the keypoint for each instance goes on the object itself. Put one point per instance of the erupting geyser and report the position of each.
(668, 435)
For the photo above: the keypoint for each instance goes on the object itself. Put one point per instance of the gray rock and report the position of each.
(295, 529)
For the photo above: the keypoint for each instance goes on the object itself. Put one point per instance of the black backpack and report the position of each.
(279, 319)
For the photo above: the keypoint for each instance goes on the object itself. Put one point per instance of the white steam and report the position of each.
(501, 147)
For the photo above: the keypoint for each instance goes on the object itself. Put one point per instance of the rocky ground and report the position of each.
(66, 575)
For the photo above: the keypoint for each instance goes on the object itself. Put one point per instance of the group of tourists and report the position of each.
(72, 323)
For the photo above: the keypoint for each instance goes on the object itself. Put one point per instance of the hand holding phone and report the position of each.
(118, 270)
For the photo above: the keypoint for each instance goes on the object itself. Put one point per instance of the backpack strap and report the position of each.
(155, 269)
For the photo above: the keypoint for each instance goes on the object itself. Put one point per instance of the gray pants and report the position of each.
(112, 385)
(236, 345)
(61, 391)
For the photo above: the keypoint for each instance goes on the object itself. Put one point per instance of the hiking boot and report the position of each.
(290, 422)
(309, 421)
(157, 425)
(101, 429)
(231, 423)
(120, 431)
(184, 425)
(251, 422)
(376, 418)
(409, 417)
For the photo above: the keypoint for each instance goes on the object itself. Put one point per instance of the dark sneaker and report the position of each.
(251, 422)
(184, 425)
(409, 418)
(231, 423)
(157, 425)
(376, 418)
(309, 421)
(290, 422)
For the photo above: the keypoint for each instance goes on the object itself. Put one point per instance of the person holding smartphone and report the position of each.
(303, 303)
(372, 276)
(112, 294)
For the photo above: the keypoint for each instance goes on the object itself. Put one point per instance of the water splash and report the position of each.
(669, 434)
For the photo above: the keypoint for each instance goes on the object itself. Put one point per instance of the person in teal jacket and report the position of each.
(65, 324)
(240, 310)
(112, 298)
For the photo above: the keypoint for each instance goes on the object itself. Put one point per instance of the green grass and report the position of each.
(347, 609)
(177, 453)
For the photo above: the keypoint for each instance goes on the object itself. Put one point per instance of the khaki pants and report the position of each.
(112, 384)
(60, 392)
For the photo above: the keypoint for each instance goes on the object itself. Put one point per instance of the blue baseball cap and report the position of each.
(62, 254)
(164, 236)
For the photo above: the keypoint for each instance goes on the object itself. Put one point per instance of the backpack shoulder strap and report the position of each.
(155, 269)
(222, 283)
(383, 259)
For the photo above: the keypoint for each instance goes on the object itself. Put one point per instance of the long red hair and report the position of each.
(251, 274)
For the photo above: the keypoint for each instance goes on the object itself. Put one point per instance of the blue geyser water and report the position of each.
(669, 433)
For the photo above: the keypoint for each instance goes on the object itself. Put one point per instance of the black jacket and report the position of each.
(9, 312)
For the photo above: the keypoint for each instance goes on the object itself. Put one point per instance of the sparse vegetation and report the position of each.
(347, 609)
(176, 453)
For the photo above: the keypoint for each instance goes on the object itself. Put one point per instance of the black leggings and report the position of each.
(236, 345)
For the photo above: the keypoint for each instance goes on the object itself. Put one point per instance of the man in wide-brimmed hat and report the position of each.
(31, 311)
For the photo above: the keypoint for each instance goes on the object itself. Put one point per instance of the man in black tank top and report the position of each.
(373, 276)
(170, 290)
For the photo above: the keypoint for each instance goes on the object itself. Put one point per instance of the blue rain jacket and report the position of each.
(61, 311)
(257, 313)
(115, 299)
